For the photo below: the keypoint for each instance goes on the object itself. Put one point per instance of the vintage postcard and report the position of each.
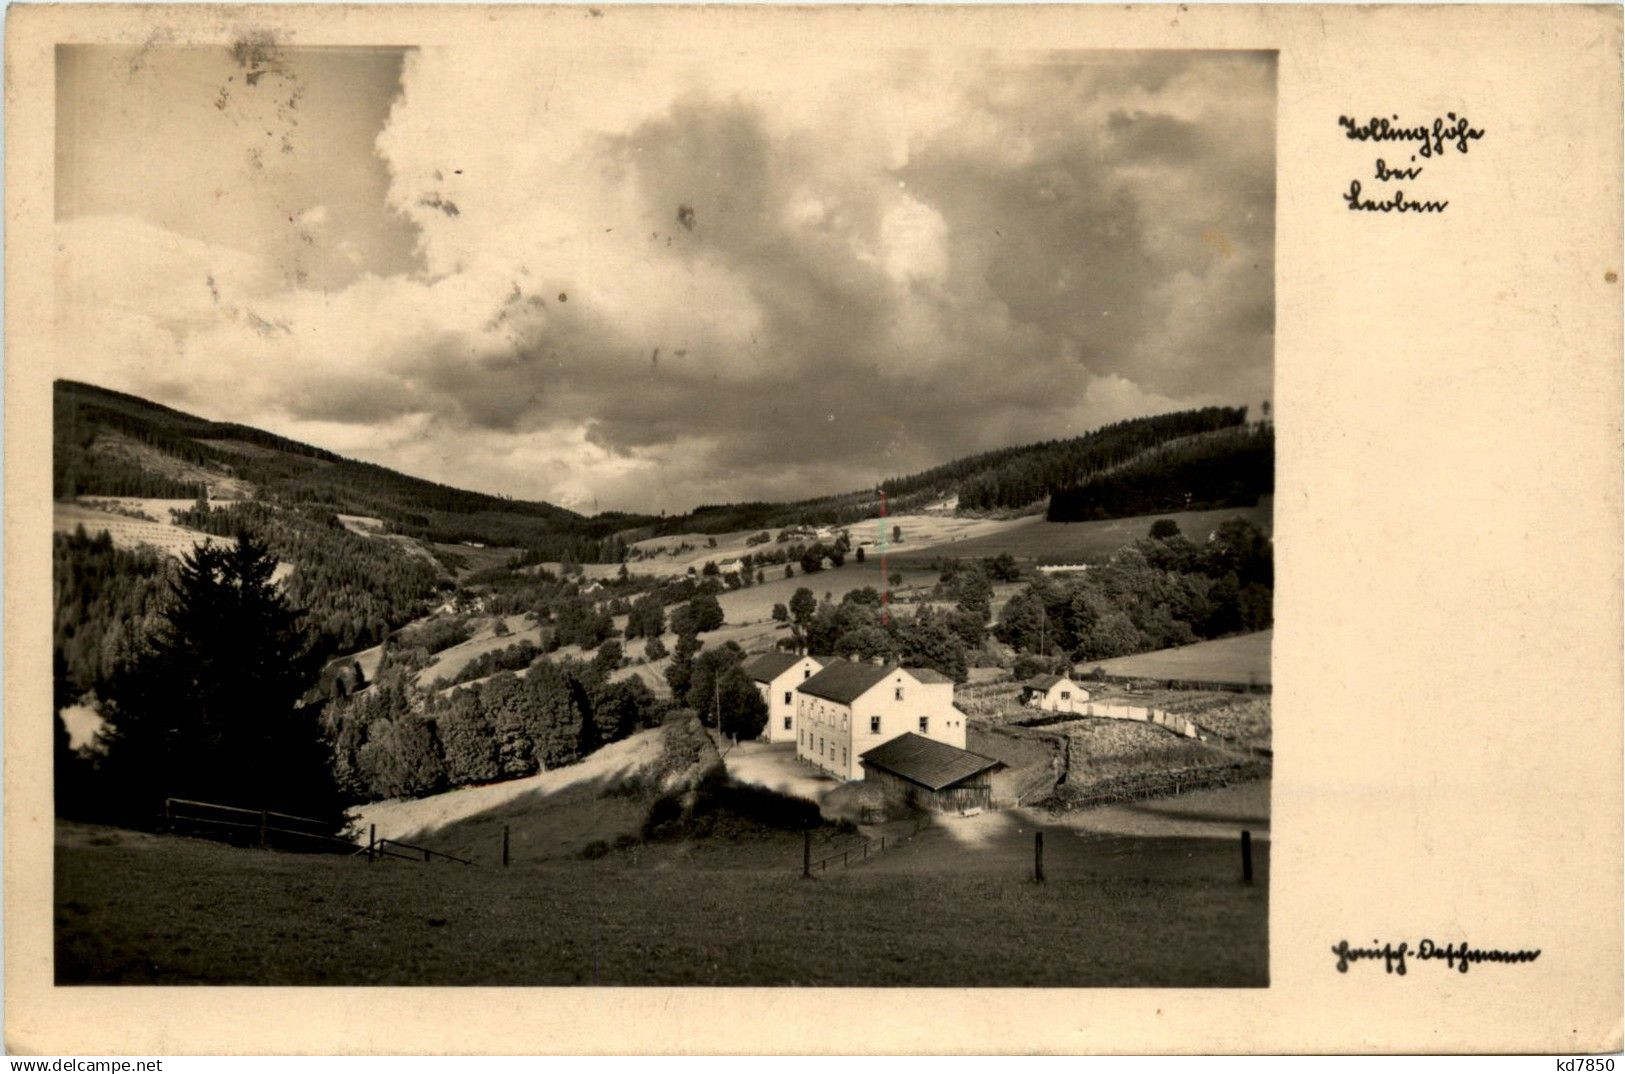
(935, 529)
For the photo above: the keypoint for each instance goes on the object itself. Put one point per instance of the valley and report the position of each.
(566, 702)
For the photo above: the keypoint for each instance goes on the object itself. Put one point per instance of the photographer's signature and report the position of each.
(1455, 956)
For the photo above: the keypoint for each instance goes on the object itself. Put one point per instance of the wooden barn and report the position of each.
(924, 773)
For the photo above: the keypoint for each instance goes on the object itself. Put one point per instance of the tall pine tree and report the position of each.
(208, 711)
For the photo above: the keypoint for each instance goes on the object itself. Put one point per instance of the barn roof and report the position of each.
(769, 666)
(930, 675)
(845, 680)
(926, 761)
(1044, 682)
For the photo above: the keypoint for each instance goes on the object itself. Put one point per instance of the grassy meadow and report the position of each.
(144, 909)
(1032, 538)
(1242, 659)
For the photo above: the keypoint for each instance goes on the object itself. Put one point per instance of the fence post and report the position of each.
(169, 814)
(263, 821)
(504, 846)
(1246, 857)
(425, 855)
(372, 841)
(1038, 857)
(806, 854)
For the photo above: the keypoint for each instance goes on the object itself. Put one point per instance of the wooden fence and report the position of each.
(1172, 722)
(268, 828)
(258, 827)
(1155, 785)
(394, 848)
(854, 855)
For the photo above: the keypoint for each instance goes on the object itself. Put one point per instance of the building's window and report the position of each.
(925, 724)
(899, 693)
(843, 755)
(874, 725)
(806, 673)
(786, 697)
(820, 745)
(1066, 695)
(787, 721)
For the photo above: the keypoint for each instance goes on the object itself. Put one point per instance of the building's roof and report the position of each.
(1044, 682)
(926, 761)
(769, 666)
(845, 680)
(931, 675)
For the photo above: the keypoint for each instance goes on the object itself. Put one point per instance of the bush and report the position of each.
(665, 818)
(595, 850)
(719, 796)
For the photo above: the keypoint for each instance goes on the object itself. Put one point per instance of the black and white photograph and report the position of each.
(743, 530)
(766, 523)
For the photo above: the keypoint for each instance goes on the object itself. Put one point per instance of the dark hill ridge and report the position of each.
(1006, 479)
(177, 453)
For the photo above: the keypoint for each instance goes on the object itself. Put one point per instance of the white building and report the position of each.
(776, 676)
(849, 708)
(1053, 693)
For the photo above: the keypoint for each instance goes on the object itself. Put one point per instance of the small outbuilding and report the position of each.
(1053, 693)
(926, 774)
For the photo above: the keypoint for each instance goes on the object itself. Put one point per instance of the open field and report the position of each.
(132, 533)
(755, 604)
(1241, 660)
(128, 532)
(1106, 749)
(141, 909)
(449, 661)
(550, 814)
(1216, 813)
(154, 460)
(1033, 538)
(665, 556)
(477, 559)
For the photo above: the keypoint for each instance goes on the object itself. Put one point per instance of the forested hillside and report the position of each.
(113, 444)
(1017, 477)
(1006, 479)
(354, 590)
(107, 600)
(1229, 469)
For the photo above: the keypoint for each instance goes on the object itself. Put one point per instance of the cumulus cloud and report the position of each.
(647, 281)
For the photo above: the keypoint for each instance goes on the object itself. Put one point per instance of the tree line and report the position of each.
(1017, 477)
(394, 740)
(1232, 469)
(1157, 593)
(354, 589)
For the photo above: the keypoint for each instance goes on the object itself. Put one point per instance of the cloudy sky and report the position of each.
(640, 281)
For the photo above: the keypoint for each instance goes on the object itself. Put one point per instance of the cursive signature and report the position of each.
(1455, 956)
